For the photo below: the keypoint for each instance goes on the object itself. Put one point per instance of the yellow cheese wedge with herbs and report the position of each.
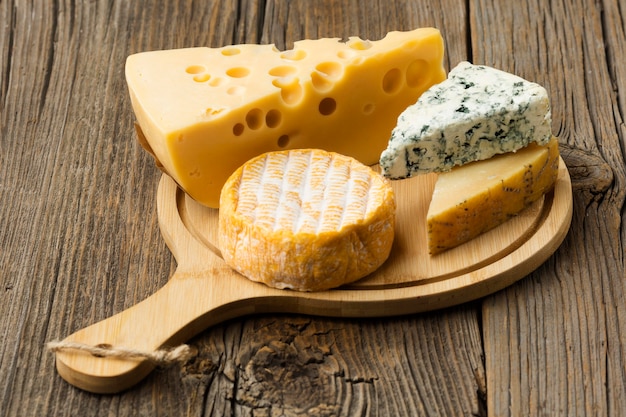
(474, 198)
(205, 111)
(306, 219)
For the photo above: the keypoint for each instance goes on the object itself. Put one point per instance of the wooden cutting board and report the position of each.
(204, 290)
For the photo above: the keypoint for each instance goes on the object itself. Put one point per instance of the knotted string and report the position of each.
(162, 357)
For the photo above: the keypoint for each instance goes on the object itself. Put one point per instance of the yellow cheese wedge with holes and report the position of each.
(205, 111)
(474, 198)
(306, 220)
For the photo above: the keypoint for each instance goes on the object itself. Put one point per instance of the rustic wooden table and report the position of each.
(79, 239)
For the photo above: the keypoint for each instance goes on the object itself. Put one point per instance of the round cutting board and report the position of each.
(204, 290)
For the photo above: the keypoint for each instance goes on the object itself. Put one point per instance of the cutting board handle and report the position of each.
(183, 307)
(199, 295)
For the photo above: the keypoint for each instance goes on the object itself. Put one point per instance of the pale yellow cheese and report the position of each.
(306, 219)
(205, 111)
(474, 198)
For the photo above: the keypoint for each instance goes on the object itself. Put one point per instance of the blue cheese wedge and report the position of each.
(478, 112)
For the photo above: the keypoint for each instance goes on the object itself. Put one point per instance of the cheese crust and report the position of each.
(306, 220)
(474, 198)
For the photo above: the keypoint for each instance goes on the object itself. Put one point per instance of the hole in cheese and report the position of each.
(320, 82)
(254, 119)
(330, 69)
(238, 129)
(346, 54)
(283, 71)
(291, 91)
(195, 69)
(392, 81)
(272, 118)
(327, 106)
(201, 78)
(283, 141)
(230, 51)
(324, 74)
(212, 112)
(238, 72)
(416, 73)
(236, 90)
(359, 44)
(369, 108)
(293, 55)
(216, 82)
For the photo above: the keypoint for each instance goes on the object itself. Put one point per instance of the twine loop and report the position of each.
(161, 357)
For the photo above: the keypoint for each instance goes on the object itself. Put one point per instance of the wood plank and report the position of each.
(301, 365)
(76, 202)
(552, 342)
(80, 240)
(613, 231)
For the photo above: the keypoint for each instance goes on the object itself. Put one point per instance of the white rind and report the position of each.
(308, 220)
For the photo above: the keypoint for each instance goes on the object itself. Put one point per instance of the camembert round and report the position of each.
(306, 220)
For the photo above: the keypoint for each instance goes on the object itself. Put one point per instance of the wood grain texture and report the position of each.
(79, 234)
(564, 351)
(79, 239)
